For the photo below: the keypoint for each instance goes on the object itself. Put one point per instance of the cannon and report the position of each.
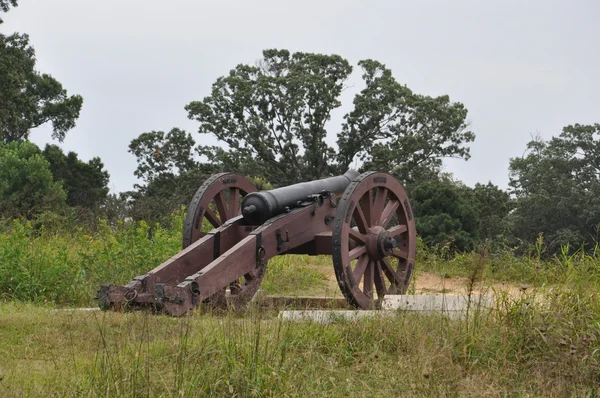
(363, 221)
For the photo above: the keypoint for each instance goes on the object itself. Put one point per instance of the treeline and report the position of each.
(270, 118)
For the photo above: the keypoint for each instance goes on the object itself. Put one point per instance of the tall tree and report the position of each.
(395, 130)
(445, 213)
(493, 206)
(26, 184)
(29, 99)
(158, 153)
(272, 116)
(169, 172)
(557, 186)
(86, 183)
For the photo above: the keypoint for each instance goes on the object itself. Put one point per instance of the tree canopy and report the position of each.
(5, 6)
(26, 184)
(28, 98)
(272, 118)
(395, 130)
(557, 186)
(272, 115)
(85, 183)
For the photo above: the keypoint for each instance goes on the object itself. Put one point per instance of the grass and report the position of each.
(545, 347)
(545, 342)
(67, 268)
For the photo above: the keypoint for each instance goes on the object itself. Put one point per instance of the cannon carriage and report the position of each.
(363, 221)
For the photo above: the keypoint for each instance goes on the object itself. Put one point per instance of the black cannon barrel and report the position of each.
(258, 207)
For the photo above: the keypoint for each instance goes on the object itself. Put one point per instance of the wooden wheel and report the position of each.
(217, 200)
(374, 240)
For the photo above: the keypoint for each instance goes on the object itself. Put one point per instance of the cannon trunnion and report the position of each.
(364, 221)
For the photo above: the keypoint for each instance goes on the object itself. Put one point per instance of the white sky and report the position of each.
(520, 67)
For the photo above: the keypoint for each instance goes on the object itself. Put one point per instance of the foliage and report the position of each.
(159, 154)
(445, 215)
(26, 184)
(493, 206)
(394, 130)
(67, 267)
(5, 6)
(29, 99)
(534, 345)
(272, 116)
(86, 183)
(557, 186)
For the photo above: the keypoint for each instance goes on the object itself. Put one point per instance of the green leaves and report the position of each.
(26, 183)
(557, 185)
(395, 130)
(272, 118)
(29, 99)
(158, 153)
(275, 113)
(86, 183)
(5, 6)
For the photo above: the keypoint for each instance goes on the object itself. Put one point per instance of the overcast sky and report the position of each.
(520, 67)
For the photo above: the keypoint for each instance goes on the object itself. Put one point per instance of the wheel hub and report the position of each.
(380, 243)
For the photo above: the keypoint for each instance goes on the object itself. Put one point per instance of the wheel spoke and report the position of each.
(234, 203)
(389, 272)
(368, 282)
(221, 206)
(379, 282)
(367, 209)
(357, 236)
(377, 209)
(361, 221)
(357, 252)
(398, 253)
(397, 230)
(359, 270)
(388, 212)
(212, 217)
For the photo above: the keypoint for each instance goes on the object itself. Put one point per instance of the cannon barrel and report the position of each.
(258, 207)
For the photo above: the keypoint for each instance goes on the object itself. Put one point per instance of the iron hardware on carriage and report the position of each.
(363, 221)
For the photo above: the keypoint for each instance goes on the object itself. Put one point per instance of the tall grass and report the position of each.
(505, 265)
(546, 342)
(67, 268)
(520, 347)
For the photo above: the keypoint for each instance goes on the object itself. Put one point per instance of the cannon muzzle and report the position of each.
(258, 207)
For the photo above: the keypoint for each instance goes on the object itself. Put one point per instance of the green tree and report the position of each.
(158, 153)
(169, 172)
(272, 116)
(445, 213)
(394, 130)
(29, 99)
(86, 183)
(26, 184)
(557, 187)
(5, 6)
(493, 206)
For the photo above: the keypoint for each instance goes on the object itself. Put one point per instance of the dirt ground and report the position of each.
(434, 284)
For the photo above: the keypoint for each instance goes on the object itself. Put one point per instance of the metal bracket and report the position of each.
(280, 240)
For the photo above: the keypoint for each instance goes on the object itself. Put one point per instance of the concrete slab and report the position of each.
(327, 316)
(453, 307)
(428, 303)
